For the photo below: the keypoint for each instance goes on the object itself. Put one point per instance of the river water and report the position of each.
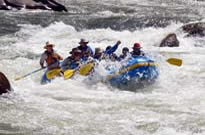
(173, 105)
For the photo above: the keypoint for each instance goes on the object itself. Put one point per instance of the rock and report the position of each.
(3, 5)
(170, 41)
(32, 4)
(14, 4)
(53, 5)
(4, 84)
(194, 29)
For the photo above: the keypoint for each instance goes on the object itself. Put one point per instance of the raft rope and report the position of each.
(130, 68)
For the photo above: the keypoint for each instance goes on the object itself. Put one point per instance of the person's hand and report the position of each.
(118, 42)
(43, 67)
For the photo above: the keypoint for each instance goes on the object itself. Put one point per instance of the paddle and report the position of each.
(84, 70)
(18, 78)
(174, 61)
(69, 73)
(53, 73)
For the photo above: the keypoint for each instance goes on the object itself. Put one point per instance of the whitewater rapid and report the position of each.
(173, 105)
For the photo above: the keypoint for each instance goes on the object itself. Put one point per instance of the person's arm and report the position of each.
(58, 56)
(43, 58)
(113, 49)
(91, 51)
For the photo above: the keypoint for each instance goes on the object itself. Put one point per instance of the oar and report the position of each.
(18, 78)
(84, 70)
(174, 61)
(69, 73)
(53, 73)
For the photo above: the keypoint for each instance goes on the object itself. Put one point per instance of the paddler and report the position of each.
(52, 60)
(50, 57)
(137, 50)
(85, 48)
(125, 53)
(73, 61)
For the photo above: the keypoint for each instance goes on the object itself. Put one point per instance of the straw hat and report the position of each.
(48, 45)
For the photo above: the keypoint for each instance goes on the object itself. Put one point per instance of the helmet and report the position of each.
(108, 48)
(137, 45)
(125, 49)
(98, 50)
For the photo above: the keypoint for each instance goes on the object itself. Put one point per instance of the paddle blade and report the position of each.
(53, 73)
(85, 69)
(69, 73)
(18, 78)
(175, 61)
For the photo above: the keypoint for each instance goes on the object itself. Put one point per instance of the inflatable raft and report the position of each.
(138, 71)
(134, 73)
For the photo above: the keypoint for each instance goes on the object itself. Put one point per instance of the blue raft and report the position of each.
(138, 72)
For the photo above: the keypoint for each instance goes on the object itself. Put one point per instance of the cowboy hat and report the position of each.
(73, 50)
(83, 41)
(48, 45)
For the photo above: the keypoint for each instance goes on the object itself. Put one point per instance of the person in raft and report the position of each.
(73, 61)
(51, 58)
(84, 48)
(137, 50)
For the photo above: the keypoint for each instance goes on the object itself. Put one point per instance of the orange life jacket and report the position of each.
(51, 58)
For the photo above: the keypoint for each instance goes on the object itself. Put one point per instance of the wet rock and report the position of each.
(4, 84)
(194, 29)
(170, 41)
(3, 5)
(53, 5)
(14, 4)
(32, 4)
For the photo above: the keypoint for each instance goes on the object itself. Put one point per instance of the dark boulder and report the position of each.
(3, 5)
(194, 29)
(53, 5)
(170, 41)
(32, 4)
(14, 4)
(4, 84)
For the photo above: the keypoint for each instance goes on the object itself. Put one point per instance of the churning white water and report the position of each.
(174, 105)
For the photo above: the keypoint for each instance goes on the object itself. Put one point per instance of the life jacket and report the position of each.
(137, 53)
(51, 58)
